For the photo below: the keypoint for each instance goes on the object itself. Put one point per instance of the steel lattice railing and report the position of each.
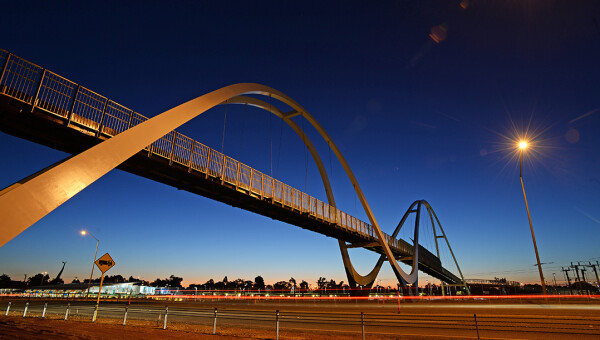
(83, 108)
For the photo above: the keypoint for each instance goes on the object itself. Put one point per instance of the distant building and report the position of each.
(493, 287)
(79, 289)
(124, 288)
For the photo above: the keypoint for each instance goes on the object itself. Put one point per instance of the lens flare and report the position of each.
(527, 139)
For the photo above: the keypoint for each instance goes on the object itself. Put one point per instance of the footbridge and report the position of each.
(44, 107)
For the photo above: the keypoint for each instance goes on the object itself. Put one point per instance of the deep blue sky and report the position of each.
(415, 119)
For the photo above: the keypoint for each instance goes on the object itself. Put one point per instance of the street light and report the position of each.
(84, 232)
(43, 275)
(523, 146)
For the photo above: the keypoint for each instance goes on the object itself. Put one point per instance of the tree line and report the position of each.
(175, 282)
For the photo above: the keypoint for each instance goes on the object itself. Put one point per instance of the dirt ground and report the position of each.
(16, 327)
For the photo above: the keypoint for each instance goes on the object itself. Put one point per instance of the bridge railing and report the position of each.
(102, 117)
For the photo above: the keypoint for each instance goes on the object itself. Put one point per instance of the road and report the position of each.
(488, 320)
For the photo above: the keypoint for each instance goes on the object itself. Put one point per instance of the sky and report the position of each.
(425, 99)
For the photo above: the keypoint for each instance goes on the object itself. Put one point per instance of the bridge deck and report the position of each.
(40, 106)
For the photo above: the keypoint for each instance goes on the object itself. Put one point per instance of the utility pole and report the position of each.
(576, 267)
(566, 271)
(593, 266)
(596, 272)
(583, 270)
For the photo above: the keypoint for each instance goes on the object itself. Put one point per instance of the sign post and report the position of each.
(104, 263)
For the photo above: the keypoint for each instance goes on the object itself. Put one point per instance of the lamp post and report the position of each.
(43, 275)
(523, 146)
(84, 232)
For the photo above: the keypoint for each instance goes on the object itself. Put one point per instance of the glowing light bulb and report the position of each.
(523, 145)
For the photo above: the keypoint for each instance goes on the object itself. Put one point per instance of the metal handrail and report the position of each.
(106, 118)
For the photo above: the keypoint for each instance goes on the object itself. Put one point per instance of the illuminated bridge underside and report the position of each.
(43, 107)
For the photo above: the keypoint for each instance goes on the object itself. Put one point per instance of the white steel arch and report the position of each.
(27, 203)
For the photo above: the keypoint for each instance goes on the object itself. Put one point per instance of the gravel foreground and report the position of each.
(16, 327)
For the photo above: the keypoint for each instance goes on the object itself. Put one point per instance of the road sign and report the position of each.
(105, 263)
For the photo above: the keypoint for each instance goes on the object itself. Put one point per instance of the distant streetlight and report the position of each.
(523, 146)
(43, 275)
(84, 232)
